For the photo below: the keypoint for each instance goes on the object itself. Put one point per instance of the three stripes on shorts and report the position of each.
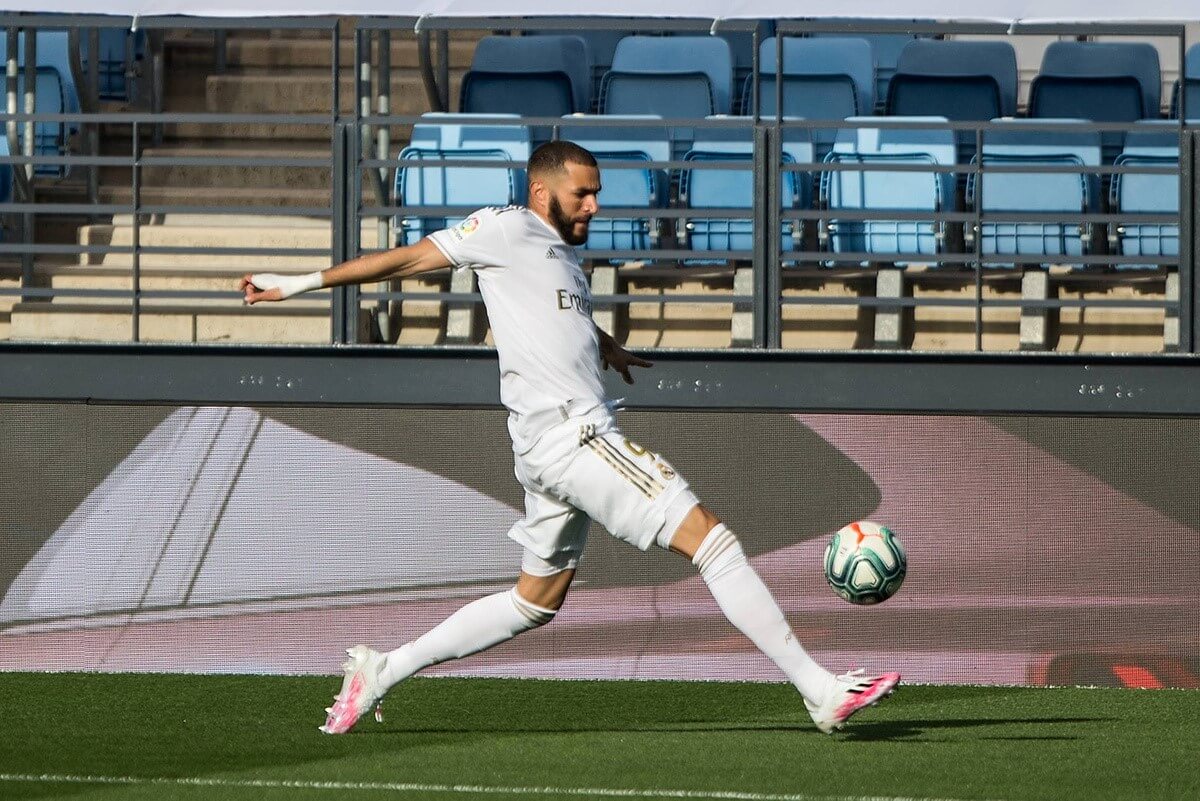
(627, 468)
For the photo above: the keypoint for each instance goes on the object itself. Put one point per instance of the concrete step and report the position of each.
(285, 53)
(216, 197)
(310, 236)
(309, 92)
(266, 178)
(113, 322)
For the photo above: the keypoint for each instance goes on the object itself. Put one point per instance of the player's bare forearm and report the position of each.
(399, 262)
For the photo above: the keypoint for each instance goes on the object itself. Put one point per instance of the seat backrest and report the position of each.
(967, 61)
(530, 94)
(675, 95)
(568, 55)
(1032, 139)
(885, 50)
(1099, 99)
(821, 57)
(938, 143)
(816, 97)
(672, 55)
(453, 136)
(962, 98)
(601, 44)
(1153, 138)
(1101, 60)
(612, 137)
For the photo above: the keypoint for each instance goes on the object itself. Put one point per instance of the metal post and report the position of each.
(93, 129)
(338, 244)
(443, 41)
(30, 106)
(425, 55)
(136, 295)
(383, 146)
(1189, 241)
(220, 50)
(762, 253)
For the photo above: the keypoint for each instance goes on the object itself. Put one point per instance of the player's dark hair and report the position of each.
(554, 156)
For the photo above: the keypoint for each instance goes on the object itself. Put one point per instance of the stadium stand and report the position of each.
(534, 76)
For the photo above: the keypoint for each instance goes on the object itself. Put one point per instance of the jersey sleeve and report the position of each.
(478, 242)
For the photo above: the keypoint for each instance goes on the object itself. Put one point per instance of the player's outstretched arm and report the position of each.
(620, 360)
(396, 263)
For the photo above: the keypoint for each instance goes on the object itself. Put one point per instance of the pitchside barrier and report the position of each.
(226, 508)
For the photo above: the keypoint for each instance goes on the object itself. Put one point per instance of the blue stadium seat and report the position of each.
(456, 136)
(823, 79)
(534, 76)
(726, 188)
(672, 76)
(1190, 84)
(118, 47)
(1156, 145)
(1098, 81)
(885, 49)
(625, 187)
(601, 47)
(883, 190)
(959, 80)
(52, 52)
(1020, 143)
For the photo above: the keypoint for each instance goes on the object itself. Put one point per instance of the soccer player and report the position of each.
(571, 458)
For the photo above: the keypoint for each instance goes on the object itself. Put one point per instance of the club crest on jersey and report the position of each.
(465, 228)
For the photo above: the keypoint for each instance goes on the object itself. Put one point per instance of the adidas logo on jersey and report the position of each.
(550, 254)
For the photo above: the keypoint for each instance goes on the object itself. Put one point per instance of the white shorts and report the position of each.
(584, 469)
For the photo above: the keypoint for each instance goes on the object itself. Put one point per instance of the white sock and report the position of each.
(477, 626)
(749, 605)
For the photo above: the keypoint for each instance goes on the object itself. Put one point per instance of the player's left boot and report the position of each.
(849, 693)
(361, 690)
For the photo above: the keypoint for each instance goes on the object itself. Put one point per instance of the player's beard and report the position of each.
(565, 225)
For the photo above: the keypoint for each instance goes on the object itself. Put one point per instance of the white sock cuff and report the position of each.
(536, 615)
(719, 552)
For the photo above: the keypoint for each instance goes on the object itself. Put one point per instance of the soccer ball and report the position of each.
(865, 563)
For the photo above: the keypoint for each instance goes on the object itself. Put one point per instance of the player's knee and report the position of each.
(534, 614)
(719, 553)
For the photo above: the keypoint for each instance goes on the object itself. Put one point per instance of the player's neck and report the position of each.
(545, 219)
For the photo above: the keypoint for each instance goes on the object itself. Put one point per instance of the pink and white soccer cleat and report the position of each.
(850, 692)
(361, 690)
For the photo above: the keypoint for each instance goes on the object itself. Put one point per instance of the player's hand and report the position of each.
(620, 360)
(253, 293)
(269, 286)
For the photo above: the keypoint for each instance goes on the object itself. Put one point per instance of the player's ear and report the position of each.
(540, 190)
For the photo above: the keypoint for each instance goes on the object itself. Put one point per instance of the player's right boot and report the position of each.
(361, 690)
(849, 693)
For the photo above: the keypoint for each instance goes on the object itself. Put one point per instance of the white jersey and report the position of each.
(540, 312)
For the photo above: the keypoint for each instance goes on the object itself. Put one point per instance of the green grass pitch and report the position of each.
(255, 737)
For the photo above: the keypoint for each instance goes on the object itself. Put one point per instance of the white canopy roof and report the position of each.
(1006, 11)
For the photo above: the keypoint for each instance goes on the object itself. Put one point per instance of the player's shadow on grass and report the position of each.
(914, 729)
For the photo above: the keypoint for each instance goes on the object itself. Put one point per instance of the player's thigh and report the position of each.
(633, 492)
